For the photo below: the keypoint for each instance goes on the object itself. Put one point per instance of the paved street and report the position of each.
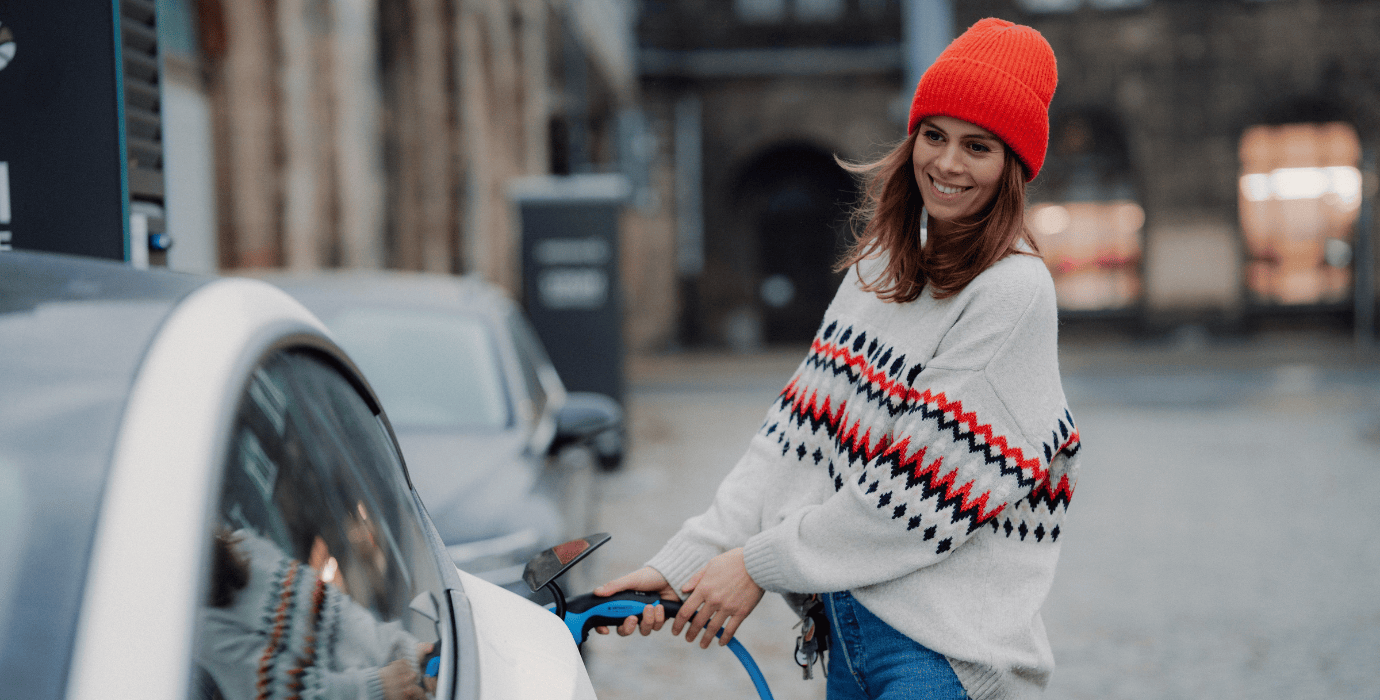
(1223, 541)
(691, 419)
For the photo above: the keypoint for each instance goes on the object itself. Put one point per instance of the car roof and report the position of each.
(73, 332)
(335, 288)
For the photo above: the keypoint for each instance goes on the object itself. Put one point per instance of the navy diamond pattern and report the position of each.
(851, 373)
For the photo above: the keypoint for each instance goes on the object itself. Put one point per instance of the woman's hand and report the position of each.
(399, 682)
(722, 595)
(647, 580)
(423, 651)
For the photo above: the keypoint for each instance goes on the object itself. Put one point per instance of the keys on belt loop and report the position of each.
(813, 642)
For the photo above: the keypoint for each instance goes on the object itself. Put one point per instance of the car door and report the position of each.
(325, 579)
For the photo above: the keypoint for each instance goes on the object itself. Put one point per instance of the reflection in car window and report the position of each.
(431, 370)
(318, 552)
(531, 357)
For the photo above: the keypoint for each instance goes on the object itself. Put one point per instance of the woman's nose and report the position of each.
(950, 160)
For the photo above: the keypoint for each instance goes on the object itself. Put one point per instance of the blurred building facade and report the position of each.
(1210, 162)
(380, 133)
(753, 100)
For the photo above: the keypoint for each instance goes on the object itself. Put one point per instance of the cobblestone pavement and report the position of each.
(1223, 541)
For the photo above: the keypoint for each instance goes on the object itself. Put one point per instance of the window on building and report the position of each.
(1092, 250)
(1300, 195)
(1086, 217)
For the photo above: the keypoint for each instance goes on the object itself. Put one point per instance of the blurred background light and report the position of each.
(1337, 252)
(1343, 182)
(1050, 219)
(1300, 197)
(1129, 217)
(778, 291)
(1093, 251)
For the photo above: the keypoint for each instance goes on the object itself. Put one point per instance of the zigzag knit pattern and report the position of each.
(302, 613)
(843, 410)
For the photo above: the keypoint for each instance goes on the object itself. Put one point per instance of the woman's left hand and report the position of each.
(722, 594)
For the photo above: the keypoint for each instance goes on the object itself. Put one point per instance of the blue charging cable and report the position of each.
(584, 613)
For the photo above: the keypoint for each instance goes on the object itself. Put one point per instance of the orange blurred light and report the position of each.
(1299, 198)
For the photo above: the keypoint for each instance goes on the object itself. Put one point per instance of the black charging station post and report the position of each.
(80, 139)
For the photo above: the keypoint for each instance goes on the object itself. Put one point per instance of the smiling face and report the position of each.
(958, 166)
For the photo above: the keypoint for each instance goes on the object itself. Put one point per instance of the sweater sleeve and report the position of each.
(961, 450)
(734, 515)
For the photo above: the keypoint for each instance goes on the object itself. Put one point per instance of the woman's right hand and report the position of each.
(647, 580)
(399, 681)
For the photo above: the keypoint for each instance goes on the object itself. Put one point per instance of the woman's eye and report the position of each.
(934, 136)
(979, 147)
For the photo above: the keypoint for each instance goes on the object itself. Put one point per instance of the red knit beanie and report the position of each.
(999, 76)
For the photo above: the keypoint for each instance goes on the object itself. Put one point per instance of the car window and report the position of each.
(318, 555)
(430, 369)
(531, 358)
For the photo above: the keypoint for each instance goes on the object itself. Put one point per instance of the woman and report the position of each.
(275, 629)
(917, 468)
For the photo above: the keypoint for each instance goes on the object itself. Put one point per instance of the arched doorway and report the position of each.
(796, 199)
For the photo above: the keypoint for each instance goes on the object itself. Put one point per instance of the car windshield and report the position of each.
(431, 369)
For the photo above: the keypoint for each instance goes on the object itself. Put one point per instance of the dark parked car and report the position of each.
(201, 497)
(488, 429)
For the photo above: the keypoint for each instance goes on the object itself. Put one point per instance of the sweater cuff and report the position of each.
(373, 685)
(763, 564)
(680, 559)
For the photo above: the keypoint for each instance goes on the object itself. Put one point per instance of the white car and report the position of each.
(200, 497)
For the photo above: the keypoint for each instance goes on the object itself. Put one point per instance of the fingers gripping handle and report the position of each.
(584, 613)
(588, 611)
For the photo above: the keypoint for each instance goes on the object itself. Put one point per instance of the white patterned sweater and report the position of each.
(922, 457)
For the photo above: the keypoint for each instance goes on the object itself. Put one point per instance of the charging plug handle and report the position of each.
(584, 613)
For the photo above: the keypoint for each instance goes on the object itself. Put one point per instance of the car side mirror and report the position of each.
(584, 417)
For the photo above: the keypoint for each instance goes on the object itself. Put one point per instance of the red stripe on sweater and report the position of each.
(865, 369)
(895, 389)
(932, 473)
(848, 439)
(1044, 491)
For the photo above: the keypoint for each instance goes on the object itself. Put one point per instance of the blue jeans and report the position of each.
(870, 660)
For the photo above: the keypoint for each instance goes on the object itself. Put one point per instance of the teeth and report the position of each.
(947, 190)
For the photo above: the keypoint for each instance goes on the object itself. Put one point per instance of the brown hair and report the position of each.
(887, 221)
(229, 570)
